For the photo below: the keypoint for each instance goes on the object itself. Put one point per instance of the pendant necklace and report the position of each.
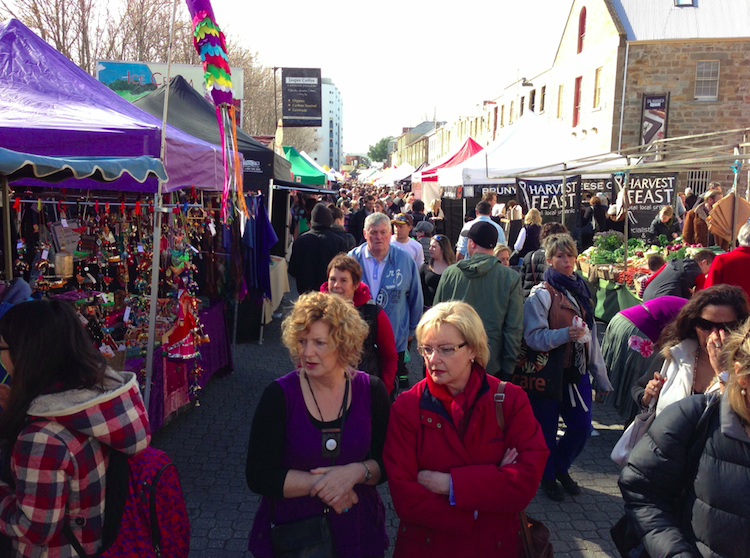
(330, 444)
(343, 403)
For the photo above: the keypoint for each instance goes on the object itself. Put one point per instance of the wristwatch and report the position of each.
(368, 473)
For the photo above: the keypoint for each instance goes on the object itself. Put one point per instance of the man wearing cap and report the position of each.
(483, 210)
(423, 233)
(494, 291)
(394, 282)
(312, 251)
(402, 224)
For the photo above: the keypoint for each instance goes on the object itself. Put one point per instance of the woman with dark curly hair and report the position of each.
(316, 442)
(691, 362)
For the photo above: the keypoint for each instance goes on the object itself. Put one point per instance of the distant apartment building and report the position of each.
(331, 134)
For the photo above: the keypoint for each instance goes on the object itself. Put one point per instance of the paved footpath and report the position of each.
(209, 446)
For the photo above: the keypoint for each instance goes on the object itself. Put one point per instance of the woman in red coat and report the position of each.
(457, 477)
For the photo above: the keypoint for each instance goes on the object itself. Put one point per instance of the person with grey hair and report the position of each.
(732, 268)
(393, 279)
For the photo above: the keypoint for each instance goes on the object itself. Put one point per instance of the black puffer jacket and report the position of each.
(712, 518)
(529, 277)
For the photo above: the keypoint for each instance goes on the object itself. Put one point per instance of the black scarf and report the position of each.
(575, 285)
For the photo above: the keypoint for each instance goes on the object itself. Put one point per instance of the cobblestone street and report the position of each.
(209, 445)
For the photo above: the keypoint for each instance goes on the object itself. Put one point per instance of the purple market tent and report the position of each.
(49, 106)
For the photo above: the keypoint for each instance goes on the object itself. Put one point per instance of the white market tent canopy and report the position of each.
(394, 174)
(528, 144)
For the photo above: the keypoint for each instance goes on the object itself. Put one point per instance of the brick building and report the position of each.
(611, 54)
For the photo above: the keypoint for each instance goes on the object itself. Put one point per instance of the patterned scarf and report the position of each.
(575, 285)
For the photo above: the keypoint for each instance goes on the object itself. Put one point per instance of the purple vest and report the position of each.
(359, 532)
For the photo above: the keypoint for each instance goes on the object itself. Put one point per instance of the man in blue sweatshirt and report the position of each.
(393, 278)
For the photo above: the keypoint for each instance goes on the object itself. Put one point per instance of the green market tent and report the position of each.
(302, 170)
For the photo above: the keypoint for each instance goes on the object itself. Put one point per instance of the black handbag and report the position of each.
(306, 538)
(310, 537)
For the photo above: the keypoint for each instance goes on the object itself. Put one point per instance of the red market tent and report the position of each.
(468, 149)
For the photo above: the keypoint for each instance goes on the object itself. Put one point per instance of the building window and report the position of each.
(532, 100)
(707, 80)
(502, 116)
(520, 106)
(510, 117)
(542, 99)
(683, 3)
(581, 29)
(577, 102)
(560, 91)
(597, 88)
(698, 182)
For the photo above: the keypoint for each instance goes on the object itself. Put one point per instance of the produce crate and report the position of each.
(585, 268)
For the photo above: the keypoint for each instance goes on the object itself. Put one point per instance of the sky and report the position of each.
(398, 62)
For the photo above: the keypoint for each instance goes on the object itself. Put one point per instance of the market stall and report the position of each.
(98, 250)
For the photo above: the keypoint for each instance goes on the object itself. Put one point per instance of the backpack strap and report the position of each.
(116, 494)
(499, 400)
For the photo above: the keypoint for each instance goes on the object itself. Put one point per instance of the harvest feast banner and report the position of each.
(546, 196)
(647, 194)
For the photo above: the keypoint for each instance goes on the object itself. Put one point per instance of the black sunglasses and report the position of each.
(708, 325)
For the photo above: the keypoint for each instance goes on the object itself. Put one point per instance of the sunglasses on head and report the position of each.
(708, 325)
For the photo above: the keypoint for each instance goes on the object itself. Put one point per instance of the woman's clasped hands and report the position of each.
(336, 485)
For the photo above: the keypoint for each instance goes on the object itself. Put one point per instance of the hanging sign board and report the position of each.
(654, 117)
(593, 186)
(546, 196)
(301, 97)
(647, 194)
(504, 192)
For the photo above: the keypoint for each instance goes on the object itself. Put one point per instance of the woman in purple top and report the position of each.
(628, 347)
(316, 441)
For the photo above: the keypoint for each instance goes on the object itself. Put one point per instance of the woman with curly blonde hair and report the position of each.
(316, 442)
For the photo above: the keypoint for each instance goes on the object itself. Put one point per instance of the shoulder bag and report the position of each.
(633, 434)
(310, 537)
(534, 534)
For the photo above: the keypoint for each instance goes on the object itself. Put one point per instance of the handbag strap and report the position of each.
(523, 520)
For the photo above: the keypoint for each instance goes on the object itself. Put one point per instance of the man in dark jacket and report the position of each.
(494, 291)
(312, 251)
(535, 263)
(338, 227)
(357, 221)
(679, 276)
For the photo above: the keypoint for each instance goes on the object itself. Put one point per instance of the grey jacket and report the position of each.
(540, 337)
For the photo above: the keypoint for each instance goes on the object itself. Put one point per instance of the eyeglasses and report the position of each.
(444, 351)
(437, 237)
(708, 325)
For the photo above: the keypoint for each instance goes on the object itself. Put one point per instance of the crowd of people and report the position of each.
(507, 353)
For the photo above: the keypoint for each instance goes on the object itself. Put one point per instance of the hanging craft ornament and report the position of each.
(210, 43)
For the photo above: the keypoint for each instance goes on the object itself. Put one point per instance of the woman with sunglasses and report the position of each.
(457, 476)
(690, 346)
(441, 256)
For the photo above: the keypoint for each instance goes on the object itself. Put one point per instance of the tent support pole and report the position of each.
(627, 214)
(158, 210)
(736, 210)
(8, 244)
(151, 348)
(562, 192)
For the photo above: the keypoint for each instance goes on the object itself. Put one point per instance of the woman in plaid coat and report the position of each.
(62, 415)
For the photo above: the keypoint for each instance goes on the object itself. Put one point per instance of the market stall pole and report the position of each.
(158, 211)
(8, 246)
(736, 168)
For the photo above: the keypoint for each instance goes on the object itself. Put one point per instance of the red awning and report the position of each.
(468, 149)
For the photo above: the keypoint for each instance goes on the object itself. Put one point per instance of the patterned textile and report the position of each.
(59, 461)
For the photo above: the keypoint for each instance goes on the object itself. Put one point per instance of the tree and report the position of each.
(379, 152)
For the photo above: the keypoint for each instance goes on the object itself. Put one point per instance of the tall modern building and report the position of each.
(331, 134)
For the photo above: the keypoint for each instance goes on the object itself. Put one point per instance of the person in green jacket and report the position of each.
(494, 291)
